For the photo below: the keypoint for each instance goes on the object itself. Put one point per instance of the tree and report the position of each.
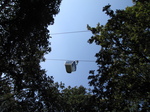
(122, 79)
(77, 99)
(23, 43)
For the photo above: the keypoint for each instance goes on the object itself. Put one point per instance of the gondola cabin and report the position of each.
(71, 66)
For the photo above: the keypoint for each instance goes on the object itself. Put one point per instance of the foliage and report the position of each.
(77, 99)
(122, 80)
(23, 43)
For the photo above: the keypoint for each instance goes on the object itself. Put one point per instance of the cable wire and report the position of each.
(69, 32)
(71, 60)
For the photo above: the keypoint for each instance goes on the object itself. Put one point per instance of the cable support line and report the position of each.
(68, 32)
(71, 60)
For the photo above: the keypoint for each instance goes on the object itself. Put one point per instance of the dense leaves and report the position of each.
(122, 80)
(23, 42)
(77, 99)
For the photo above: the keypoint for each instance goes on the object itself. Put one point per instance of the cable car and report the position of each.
(71, 66)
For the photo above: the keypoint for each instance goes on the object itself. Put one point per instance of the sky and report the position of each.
(74, 15)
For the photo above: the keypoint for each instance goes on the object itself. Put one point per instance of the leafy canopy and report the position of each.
(122, 79)
(77, 99)
(23, 43)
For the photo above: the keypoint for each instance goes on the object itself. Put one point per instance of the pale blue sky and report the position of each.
(74, 16)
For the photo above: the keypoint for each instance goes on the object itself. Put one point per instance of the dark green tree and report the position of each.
(122, 81)
(23, 43)
(77, 99)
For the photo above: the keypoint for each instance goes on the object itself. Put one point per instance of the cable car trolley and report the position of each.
(71, 66)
